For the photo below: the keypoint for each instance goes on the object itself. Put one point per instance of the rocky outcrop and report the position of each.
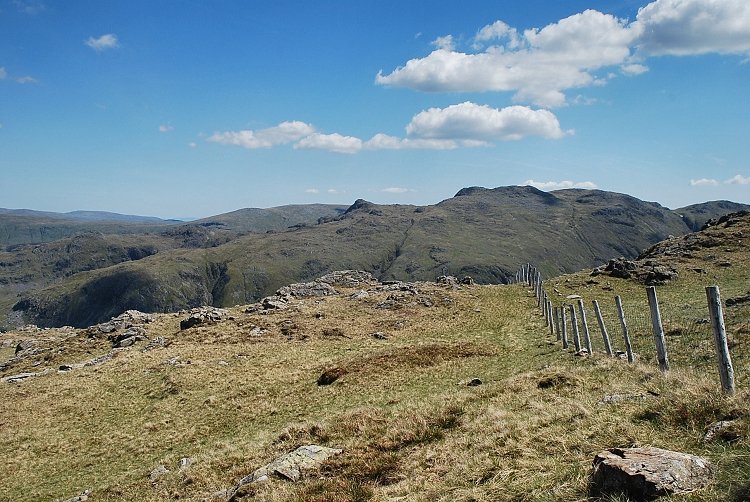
(649, 272)
(290, 467)
(648, 473)
(203, 316)
(307, 290)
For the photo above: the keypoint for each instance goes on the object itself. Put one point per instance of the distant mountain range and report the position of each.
(100, 268)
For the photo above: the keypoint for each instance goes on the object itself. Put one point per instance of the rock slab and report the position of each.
(648, 473)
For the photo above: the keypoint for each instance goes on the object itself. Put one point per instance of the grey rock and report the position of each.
(157, 472)
(157, 342)
(648, 473)
(81, 497)
(290, 466)
(379, 335)
(307, 290)
(274, 303)
(722, 429)
(185, 462)
(23, 346)
(203, 316)
(348, 278)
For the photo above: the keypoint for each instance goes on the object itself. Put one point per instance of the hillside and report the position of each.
(484, 233)
(697, 215)
(435, 391)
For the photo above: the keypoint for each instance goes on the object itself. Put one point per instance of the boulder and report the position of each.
(292, 465)
(648, 473)
(307, 290)
(348, 278)
(274, 303)
(205, 315)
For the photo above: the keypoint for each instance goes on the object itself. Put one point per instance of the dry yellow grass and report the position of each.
(409, 426)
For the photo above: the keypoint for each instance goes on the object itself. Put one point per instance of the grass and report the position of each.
(409, 426)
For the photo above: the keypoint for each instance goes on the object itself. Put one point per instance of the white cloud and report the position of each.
(285, 132)
(30, 7)
(108, 41)
(687, 27)
(332, 190)
(165, 128)
(634, 69)
(470, 121)
(540, 65)
(559, 185)
(332, 142)
(396, 190)
(312, 190)
(738, 180)
(704, 182)
(497, 31)
(465, 125)
(445, 43)
(192, 144)
(3, 73)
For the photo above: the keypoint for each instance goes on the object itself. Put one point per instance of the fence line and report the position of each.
(676, 322)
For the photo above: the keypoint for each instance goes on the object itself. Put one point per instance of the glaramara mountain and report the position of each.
(484, 233)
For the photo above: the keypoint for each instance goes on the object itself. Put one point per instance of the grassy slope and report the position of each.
(409, 426)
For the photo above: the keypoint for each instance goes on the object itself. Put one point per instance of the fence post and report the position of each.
(602, 328)
(550, 318)
(574, 325)
(556, 318)
(625, 333)
(564, 325)
(585, 324)
(661, 345)
(726, 371)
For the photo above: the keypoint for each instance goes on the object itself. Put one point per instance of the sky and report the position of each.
(189, 109)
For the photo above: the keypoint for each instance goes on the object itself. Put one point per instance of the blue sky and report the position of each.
(187, 109)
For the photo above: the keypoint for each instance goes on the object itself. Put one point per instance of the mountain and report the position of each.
(697, 215)
(25, 226)
(484, 233)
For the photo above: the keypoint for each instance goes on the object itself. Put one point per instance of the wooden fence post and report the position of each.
(726, 371)
(550, 316)
(602, 328)
(625, 333)
(556, 318)
(564, 326)
(574, 325)
(585, 324)
(661, 344)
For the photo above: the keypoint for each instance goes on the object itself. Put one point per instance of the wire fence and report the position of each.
(689, 331)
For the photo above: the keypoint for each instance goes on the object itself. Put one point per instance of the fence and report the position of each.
(690, 332)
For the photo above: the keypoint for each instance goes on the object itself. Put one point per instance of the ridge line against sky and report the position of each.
(199, 109)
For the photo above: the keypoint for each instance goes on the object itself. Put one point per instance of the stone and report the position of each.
(379, 335)
(467, 280)
(447, 280)
(722, 429)
(274, 303)
(157, 472)
(23, 346)
(307, 290)
(648, 473)
(157, 342)
(81, 497)
(348, 278)
(290, 466)
(185, 462)
(202, 316)
(359, 295)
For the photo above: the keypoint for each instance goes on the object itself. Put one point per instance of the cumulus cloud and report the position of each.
(332, 142)
(738, 180)
(687, 27)
(634, 69)
(445, 43)
(470, 121)
(165, 128)
(108, 41)
(286, 132)
(464, 125)
(559, 185)
(540, 65)
(704, 182)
